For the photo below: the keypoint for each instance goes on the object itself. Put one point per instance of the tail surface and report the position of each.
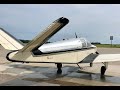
(9, 42)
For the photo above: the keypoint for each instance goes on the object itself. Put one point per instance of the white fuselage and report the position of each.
(73, 52)
(71, 44)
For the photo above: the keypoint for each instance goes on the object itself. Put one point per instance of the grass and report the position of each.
(108, 45)
(98, 45)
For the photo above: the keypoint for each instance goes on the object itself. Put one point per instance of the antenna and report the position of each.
(76, 35)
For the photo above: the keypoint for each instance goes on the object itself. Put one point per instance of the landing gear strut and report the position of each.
(91, 64)
(59, 66)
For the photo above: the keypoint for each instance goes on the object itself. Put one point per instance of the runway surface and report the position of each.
(19, 74)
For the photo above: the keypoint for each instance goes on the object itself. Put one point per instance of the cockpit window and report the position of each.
(88, 44)
(85, 43)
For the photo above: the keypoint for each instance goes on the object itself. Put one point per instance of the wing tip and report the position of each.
(62, 20)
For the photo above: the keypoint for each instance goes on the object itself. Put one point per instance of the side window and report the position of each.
(83, 43)
(88, 44)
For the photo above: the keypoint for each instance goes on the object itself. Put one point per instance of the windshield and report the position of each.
(85, 43)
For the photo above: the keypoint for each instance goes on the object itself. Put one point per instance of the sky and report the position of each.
(95, 22)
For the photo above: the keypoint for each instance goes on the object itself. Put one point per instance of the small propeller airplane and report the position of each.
(71, 51)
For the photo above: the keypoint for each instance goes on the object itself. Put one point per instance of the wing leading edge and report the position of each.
(107, 58)
(97, 58)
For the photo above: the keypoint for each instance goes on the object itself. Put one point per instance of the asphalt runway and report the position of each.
(19, 74)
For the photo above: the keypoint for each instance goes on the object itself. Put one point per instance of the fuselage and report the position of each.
(70, 44)
(67, 51)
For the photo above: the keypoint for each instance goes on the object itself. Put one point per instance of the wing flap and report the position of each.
(89, 59)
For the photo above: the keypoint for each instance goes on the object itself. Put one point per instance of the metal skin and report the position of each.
(64, 45)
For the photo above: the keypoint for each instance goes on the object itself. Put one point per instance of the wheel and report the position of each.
(103, 69)
(59, 66)
(59, 71)
(91, 64)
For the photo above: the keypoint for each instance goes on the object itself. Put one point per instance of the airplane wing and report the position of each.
(96, 58)
(9, 42)
(41, 38)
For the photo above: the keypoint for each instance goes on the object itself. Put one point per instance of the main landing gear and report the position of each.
(103, 68)
(91, 64)
(59, 66)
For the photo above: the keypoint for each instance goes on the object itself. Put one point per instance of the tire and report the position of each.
(103, 69)
(59, 71)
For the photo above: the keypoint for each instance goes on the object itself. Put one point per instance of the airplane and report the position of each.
(71, 51)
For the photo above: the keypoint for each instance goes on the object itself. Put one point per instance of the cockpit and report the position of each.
(85, 43)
